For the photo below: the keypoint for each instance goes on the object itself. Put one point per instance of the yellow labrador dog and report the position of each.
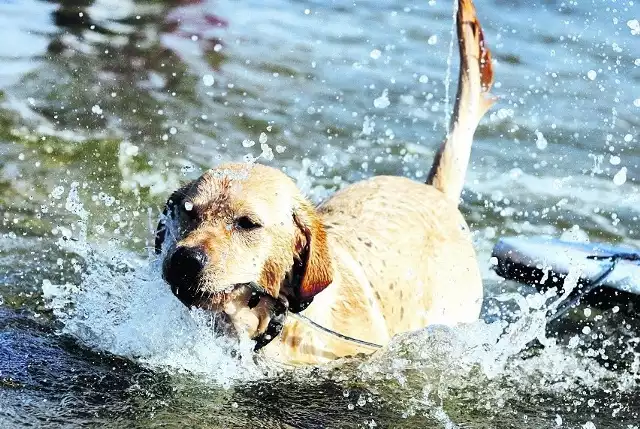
(381, 257)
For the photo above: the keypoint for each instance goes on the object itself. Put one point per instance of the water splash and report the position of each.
(123, 306)
(487, 366)
(447, 78)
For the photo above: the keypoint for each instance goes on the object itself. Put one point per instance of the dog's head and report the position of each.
(242, 223)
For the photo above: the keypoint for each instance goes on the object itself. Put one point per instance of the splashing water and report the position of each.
(490, 350)
(482, 366)
(123, 306)
(447, 78)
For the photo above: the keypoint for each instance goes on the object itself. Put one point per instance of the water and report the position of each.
(106, 106)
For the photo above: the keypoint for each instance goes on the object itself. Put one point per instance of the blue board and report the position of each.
(545, 262)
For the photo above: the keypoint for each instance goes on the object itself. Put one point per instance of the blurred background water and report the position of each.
(106, 105)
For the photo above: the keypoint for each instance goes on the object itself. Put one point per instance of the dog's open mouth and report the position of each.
(199, 298)
(196, 297)
(250, 295)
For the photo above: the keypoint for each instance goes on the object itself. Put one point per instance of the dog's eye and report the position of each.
(246, 223)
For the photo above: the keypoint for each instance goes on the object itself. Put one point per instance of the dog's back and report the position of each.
(414, 248)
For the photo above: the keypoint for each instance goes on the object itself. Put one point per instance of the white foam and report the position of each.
(124, 307)
(432, 365)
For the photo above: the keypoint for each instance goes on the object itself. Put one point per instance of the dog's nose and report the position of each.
(182, 271)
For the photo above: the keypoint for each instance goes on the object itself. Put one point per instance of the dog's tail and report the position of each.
(472, 102)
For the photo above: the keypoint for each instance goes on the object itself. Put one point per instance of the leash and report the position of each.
(303, 318)
(281, 310)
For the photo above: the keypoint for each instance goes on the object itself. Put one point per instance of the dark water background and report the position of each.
(106, 105)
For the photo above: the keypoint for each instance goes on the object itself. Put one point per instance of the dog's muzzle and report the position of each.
(182, 270)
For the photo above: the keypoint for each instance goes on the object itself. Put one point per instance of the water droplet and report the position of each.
(541, 141)
(432, 40)
(208, 80)
(267, 152)
(490, 233)
(382, 101)
(558, 420)
(368, 126)
(57, 192)
(423, 79)
(620, 177)
(375, 54)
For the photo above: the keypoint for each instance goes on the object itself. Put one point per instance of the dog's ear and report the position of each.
(161, 230)
(314, 270)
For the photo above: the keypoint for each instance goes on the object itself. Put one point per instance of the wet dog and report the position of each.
(381, 257)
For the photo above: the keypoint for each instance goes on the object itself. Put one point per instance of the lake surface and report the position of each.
(106, 105)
